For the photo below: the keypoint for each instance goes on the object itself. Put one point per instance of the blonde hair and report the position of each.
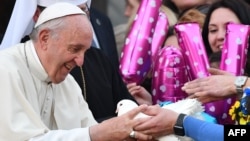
(193, 15)
(172, 17)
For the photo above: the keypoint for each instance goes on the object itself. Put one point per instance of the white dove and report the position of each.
(187, 106)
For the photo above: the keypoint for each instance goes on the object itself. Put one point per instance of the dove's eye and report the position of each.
(120, 104)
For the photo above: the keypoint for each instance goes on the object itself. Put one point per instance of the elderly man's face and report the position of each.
(65, 49)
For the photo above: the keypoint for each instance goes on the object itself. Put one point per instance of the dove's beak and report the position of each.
(116, 111)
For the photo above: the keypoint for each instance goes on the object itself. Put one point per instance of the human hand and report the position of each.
(159, 124)
(218, 86)
(119, 128)
(141, 95)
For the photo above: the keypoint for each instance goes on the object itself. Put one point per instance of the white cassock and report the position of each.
(33, 109)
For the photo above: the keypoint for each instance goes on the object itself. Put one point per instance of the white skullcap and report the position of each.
(46, 3)
(58, 10)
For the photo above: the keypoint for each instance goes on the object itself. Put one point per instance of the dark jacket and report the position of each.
(105, 34)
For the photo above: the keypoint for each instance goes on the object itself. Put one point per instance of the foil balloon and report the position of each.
(195, 56)
(234, 51)
(233, 60)
(160, 34)
(169, 75)
(135, 61)
(192, 46)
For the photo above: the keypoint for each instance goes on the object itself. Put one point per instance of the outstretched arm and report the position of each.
(163, 120)
(218, 86)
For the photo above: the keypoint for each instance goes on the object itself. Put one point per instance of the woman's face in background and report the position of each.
(217, 27)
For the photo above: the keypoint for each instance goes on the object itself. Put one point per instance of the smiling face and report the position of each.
(63, 49)
(217, 27)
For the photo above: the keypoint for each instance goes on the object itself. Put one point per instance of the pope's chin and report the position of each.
(59, 78)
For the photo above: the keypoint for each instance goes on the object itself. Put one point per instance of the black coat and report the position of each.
(105, 35)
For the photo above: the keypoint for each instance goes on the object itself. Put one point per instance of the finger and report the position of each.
(141, 136)
(134, 91)
(215, 71)
(144, 126)
(136, 111)
(139, 121)
(130, 85)
(152, 110)
(192, 90)
(200, 89)
(191, 96)
(192, 84)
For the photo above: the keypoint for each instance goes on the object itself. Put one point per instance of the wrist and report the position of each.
(178, 127)
(240, 82)
(95, 130)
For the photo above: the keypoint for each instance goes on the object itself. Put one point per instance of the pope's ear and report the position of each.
(44, 37)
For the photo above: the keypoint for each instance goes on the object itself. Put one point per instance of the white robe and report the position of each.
(33, 109)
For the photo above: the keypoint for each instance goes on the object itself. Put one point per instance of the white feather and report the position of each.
(187, 106)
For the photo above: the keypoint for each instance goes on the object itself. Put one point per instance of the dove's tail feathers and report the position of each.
(185, 138)
(186, 106)
(171, 137)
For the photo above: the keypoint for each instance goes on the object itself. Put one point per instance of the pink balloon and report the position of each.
(196, 58)
(135, 60)
(160, 34)
(234, 52)
(169, 75)
(192, 46)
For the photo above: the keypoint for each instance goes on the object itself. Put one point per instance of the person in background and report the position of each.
(104, 36)
(37, 89)
(6, 8)
(143, 91)
(20, 21)
(218, 86)
(218, 16)
(178, 6)
(214, 29)
(164, 122)
(213, 33)
(190, 15)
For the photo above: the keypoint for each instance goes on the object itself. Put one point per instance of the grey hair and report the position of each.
(52, 25)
